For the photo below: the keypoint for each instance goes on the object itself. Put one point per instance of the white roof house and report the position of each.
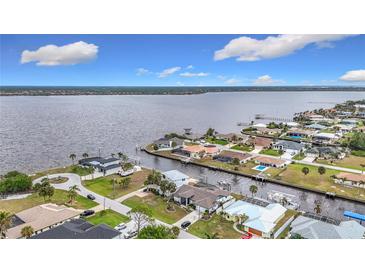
(326, 135)
(260, 218)
(314, 229)
(259, 125)
(176, 176)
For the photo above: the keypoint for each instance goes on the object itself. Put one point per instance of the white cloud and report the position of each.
(168, 72)
(354, 76)
(142, 71)
(190, 67)
(52, 55)
(266, 80)
(189, 74)
(232, 81)
(250, 49)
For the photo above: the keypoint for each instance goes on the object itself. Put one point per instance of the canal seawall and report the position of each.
(253, 177)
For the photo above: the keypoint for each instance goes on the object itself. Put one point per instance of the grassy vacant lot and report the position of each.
(59, 197)
(158, 206)
(242, 147)
(216, 224)
(68, 169)
(244, 168)
(271, 152)
(108, 217)
(293, 174)
(217, 141)
(104, 185)
(360, 153)
(299, 156)
(349, 162)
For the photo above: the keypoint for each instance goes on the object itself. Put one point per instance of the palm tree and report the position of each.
(112, 154)
(284, 201)
(85, 155)
(253, 189)
(321, 170)
(72, 157)
(27, 231)
(72, 193)
(211, 236)
(5, 223)
(305, 170)
(317, 208)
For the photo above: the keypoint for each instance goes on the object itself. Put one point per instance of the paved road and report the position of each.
(74, 179)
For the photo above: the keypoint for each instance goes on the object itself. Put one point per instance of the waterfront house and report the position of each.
(168, 143)
(350, 179)
(268, 131)
(300, 133)
(41, 218)
(105, 165)
(271, 162)
(260, 142)
(176, 177)
(316, 126)
(227, 156)
(309, 228)
(261, 220)
(193, 151)
(352, 122)
(289, 147)
(203, 199)
(325, 153)
(325, 138)
(342, 129)
(79, 229)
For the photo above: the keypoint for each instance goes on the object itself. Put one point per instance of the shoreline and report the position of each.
(253, 177)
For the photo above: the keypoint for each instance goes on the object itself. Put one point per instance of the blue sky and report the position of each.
(191, 60)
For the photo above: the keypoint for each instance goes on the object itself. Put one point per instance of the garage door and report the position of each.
(254, 231)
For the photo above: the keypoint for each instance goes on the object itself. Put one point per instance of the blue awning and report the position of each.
(354, 215)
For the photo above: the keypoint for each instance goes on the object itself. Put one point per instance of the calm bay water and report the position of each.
(40, 132)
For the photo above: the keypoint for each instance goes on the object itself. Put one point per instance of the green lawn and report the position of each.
(104, 185)
(293, 174)
(108, 217)
(158, 206)
(288, 214)
(217, 141)
(216, 224)
(350, 161)
(271, 152)
(242, 147)
(359, 153)
(299, 156)
(68, 169)
(59, 197)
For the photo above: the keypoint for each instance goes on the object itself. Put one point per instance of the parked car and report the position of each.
(87, 213)
(130, 234)
(185, 224)
(120, 227)
(246, 235)
(91, 197)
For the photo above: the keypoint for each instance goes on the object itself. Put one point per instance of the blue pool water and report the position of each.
(260, 168)
(295, 137)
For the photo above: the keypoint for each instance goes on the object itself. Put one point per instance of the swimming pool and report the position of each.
(295, 137)
(260, 168)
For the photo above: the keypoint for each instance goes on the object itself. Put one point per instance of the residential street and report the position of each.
(104, 202)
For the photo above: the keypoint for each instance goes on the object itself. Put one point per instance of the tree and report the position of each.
(141, 214)
(210, 132)
(236, 161)
(357, 141)
(253, 189)
(305, 170)
(72, 193)
(242, 218)
(173, 144)
(317, 209)
(14, 182)
(175, 230)
(44, 189)
(124, 182)
(211, 236)
(156, 232)
(72, 157)
(122, 156)
(321, 170)
(154, 178)
(85, 155)
(27, 231)
(5, 223)
(155, 147)
(112, 155)
(284, 201)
